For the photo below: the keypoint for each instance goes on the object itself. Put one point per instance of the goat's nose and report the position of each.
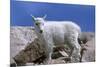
(36, 23)
(41, 31)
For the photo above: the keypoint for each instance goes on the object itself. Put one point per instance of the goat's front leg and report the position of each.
(49, 51)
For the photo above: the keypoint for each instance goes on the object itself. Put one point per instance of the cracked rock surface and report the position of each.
(25, 48)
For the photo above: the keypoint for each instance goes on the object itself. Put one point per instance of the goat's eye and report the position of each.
(37, 23)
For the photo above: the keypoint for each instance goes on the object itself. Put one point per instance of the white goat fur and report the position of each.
(58, 33)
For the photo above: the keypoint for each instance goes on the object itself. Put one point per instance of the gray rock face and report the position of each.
(85, 37)
(89, 52)
(87, 42)
(26, 49)
(31, 53)
(19, 39)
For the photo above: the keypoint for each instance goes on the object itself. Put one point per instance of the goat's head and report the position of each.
(38, 23)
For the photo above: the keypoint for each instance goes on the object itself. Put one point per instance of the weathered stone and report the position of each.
(85, 37)
(26, 49)
(19, 39)
(89, 52)
(31, 52)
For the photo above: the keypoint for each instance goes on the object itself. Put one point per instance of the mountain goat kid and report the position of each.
(58, 33)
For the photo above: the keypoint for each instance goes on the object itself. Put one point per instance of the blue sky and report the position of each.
(83, 15)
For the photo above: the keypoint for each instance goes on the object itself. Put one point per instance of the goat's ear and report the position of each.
(44, 16)
(32, 17)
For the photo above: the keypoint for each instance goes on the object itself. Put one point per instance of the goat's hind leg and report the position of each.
(48, 53)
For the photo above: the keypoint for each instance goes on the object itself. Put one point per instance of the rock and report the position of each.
(26, 48)
(31, 53)
(12, 63)
(57, 61)
(19, 39)
(61, 60)
(29, 64)
(60, 52)
(89, 52)
(87, 42)
(85, 36)
(63, 53)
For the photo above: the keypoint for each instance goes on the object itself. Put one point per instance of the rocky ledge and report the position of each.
(25, 48)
